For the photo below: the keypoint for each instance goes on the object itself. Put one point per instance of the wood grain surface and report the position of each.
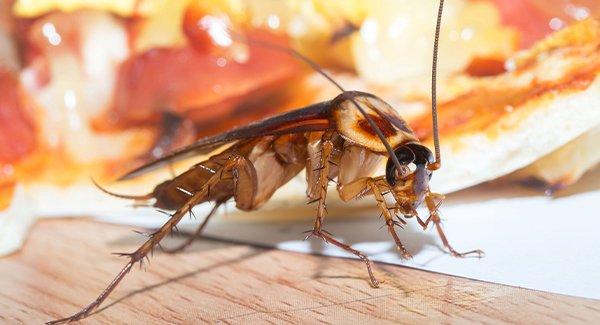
(65, 264)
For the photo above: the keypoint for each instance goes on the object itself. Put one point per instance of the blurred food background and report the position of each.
(96, 88)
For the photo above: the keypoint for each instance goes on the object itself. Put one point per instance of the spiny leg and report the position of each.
(330, 239)
(440, 198)
(389, 221)
(149, 245)
(435, 218)
(323, 181)
(135, 257)
(196, 234)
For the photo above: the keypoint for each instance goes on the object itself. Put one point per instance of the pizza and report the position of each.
(96, 88)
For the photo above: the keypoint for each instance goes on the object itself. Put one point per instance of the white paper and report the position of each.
(530, 240)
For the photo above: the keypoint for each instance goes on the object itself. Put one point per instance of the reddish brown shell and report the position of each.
(354, 127)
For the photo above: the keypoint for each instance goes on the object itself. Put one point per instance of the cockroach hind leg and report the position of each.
(195, 235)
(330, 239)
(142, 252)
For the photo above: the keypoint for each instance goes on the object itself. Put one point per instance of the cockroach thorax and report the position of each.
(355, 127)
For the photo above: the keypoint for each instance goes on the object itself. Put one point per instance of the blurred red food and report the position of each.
(538, 18)
(198, 36)
(195, 84)
(17, 130)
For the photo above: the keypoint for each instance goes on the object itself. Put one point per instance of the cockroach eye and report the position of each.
(410, 168)
(405, 156)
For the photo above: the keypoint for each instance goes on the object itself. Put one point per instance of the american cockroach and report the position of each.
(341, 140)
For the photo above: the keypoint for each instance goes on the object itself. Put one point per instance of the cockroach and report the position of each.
(341, 140)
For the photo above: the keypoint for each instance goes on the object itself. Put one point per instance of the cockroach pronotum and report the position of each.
(343, 139)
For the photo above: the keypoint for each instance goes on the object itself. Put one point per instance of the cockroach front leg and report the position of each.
(389, 220)
(435, 218)
(148, 246)
(317, 231)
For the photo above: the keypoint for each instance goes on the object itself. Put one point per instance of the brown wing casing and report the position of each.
(308, 119)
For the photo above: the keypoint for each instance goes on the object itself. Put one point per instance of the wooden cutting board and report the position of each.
(66, 263)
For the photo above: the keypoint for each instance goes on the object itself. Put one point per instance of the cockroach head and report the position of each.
(414, 159)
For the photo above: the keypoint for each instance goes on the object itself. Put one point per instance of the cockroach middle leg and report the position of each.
(196, 234)
(330, 239)
(435, 218)
(323, 181)
(389, 220)
(154, 239)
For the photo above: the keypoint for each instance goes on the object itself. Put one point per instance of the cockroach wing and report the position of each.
(353, 126)
(308, 119)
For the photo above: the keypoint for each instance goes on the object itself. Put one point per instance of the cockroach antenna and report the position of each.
(436, 138)
(315, 66)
